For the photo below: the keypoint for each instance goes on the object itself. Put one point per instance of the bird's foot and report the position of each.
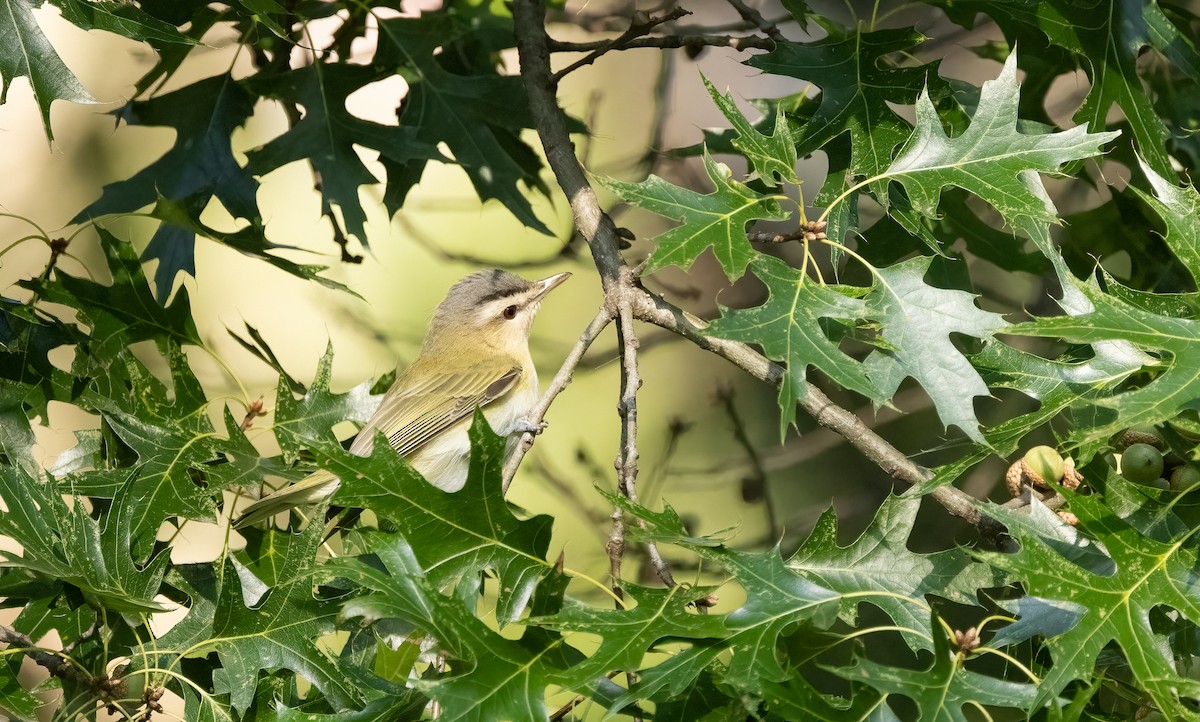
(528, 426)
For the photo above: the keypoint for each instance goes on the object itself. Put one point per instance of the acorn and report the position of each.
(1040, 466)
(1046, 463)
(1185, 477)
(1141, 464)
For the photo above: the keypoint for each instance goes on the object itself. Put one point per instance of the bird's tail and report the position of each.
(309, 490)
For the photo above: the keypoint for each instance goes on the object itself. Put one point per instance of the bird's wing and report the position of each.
(413, 412)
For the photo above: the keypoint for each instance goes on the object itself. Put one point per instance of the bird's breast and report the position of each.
(445, 459)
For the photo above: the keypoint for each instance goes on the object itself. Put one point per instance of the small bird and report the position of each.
(476, 354)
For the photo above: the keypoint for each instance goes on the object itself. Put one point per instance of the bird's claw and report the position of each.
(528, 426)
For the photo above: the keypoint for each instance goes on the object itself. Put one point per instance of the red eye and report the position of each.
(510, 312)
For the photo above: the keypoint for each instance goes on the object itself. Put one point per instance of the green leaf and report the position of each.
(495, 678)
(255, 628)
(175, 442)
(478, 116)
(15, 701)
(718, 220)
(1108, 37)
(25, 51)
(946, 687)
(1055, 385)
(992, 158)
(199, 165)
(858, 82)
(301, 421)
(63, 542)
(626, 634)
(327, 133)
(771, 156)
(120, 18)
(776, 599)
(1178, 206)
(454, 535)
(915, 322)
(1169, 392)
(880, 563)
(125, 311)
(1116, 598)
(788, 328)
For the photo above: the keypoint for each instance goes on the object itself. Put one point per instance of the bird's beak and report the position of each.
(546, 285)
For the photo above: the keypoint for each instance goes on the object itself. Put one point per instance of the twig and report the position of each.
(631, 381)
(640, 24)
(540, 85)
(808, 231)
(660, 312)
(557, 384)
(56, 664)
(751, 15)
(667, 42)
(758, 473)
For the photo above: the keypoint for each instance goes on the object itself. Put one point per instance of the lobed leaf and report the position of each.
(717, 220)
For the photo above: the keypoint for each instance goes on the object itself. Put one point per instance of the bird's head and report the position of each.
(494, 307)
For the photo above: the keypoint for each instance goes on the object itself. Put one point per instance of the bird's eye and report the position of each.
(509, 312)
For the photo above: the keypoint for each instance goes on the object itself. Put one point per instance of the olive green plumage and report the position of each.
(476, 355)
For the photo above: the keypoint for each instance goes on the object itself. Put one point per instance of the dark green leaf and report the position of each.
(1108, 36)
(125, 309)
(858, 83)
(125, 19)
(25, 51)
(1115, 599)
(199, 165)
(771, 156)
(879, 565)
(495, 678)
(479, 117)
(327, 133)
(789, 330)
(181, 220)
(718, 220)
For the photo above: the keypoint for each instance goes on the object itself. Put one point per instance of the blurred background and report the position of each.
(708, 434)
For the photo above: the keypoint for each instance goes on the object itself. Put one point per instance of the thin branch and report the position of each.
(751, 15)
(660, 312)
(56, 664)
(665, 42)
(809, 231)
(557, 384)
(758, 473)
(631, 381)
(640, 24)
(541, 88)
